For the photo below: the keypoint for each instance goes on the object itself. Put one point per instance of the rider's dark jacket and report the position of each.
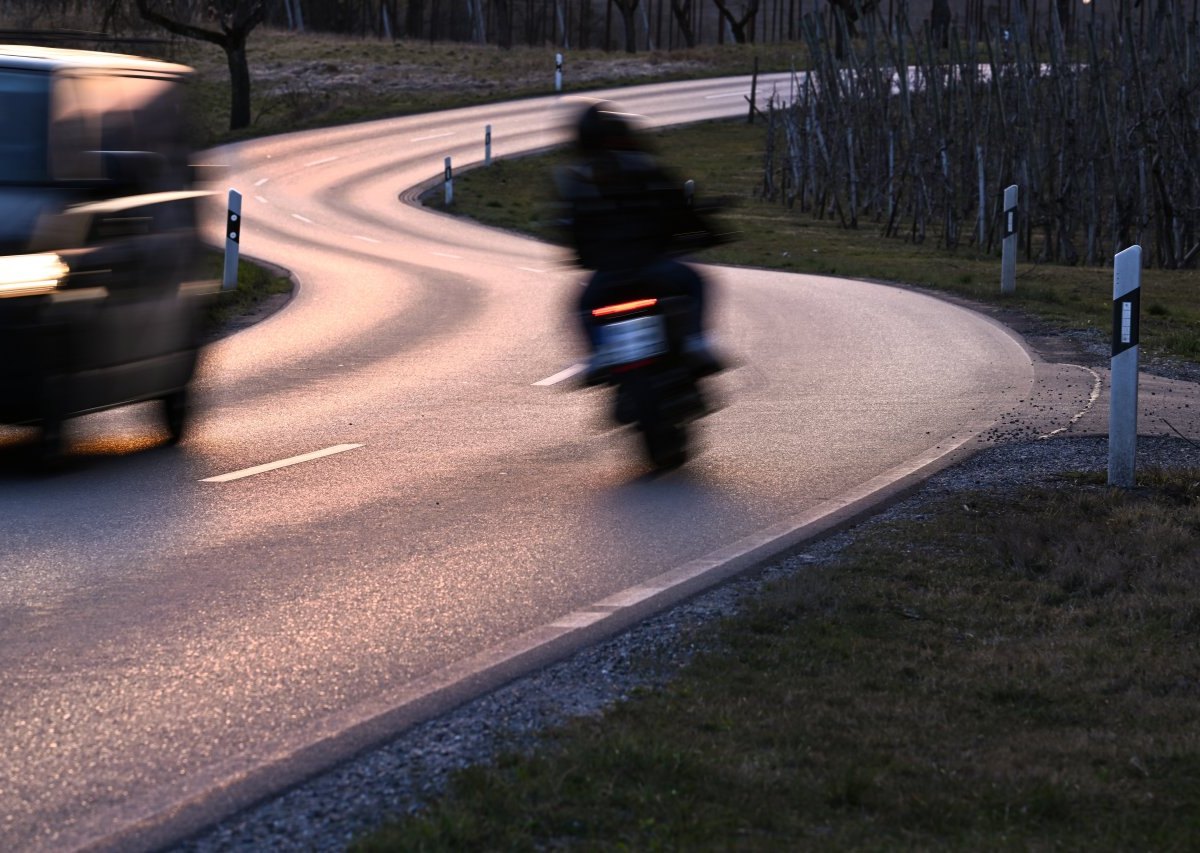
(624, 212)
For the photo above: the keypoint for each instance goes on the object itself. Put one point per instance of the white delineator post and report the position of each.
(558, 71)
(233, 238)
(487, 145)
(449, 180)
(1122, 412)
(1008, 259)
(689, 191)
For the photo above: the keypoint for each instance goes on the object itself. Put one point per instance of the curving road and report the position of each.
(175, 642)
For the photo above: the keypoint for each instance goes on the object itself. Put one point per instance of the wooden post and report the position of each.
(753, 92)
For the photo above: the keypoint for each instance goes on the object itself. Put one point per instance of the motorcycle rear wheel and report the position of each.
(666, 445)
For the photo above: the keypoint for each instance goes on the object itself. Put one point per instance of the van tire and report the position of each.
(51, 443)
(175, 414)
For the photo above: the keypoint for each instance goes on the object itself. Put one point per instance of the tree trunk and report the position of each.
(237, 19)
(239, 83)
(630, 33)
(737, 26)
(504, 23)
(414, 19)
(682, 10)
(628, 10)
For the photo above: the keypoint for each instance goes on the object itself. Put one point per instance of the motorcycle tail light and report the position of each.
(624, 307)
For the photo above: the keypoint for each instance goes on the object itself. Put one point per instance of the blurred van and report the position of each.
(100, 305)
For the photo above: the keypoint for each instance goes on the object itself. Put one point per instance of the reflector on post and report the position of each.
(233, 239)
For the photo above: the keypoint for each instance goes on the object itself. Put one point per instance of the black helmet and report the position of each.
(602, 128)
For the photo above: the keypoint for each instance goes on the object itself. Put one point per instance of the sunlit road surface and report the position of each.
(388, 491)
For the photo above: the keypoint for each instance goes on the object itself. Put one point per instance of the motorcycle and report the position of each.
(640, 354)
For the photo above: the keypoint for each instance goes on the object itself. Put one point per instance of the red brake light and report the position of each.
(624, 307)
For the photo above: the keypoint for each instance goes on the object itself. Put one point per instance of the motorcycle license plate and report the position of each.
(632, 340)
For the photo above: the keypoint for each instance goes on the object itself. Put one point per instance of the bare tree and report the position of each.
(235, 19)
(628, 9)
(738, 26)
(682, 10)
(504, 23)
(847, 14)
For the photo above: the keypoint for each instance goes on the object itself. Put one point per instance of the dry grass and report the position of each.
(309, 80)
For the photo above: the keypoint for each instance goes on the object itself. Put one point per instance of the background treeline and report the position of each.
(630, 25)
(1097, 126)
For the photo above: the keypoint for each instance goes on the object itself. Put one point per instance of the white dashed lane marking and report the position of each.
(562, 374)
(282, 463)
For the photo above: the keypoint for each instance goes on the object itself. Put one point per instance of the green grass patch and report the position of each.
(255, 284)
(725, 159)
(1007, 672)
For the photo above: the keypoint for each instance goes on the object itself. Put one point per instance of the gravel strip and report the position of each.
(327, 813)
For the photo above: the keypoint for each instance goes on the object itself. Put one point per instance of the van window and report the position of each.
(75, 143)
(96, 114)
(24, 105)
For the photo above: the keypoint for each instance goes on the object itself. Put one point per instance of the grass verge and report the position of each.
(725, 159)
(1000, 672)
(255, 285)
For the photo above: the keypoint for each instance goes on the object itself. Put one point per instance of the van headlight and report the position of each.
(31, 275)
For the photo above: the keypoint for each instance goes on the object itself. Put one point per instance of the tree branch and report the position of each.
(179, 28)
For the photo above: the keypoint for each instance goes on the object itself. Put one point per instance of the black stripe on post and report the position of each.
(1010, 221)
(1126, 326)
(233, 226)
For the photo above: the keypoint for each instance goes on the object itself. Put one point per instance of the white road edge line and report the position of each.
(321, 162)
(432, 136)
(530, 269)
(366, 239)
(562, 374)
(1092, 398)
(726, 95)
(282, 463)
(303, 218)
(447, 255)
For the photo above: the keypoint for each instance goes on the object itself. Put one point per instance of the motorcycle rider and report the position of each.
(629, 217)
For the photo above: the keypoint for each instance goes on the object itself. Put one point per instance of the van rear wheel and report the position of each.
(175, 414)
(51, 442)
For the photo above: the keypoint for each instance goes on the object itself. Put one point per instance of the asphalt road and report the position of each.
(172, 646)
